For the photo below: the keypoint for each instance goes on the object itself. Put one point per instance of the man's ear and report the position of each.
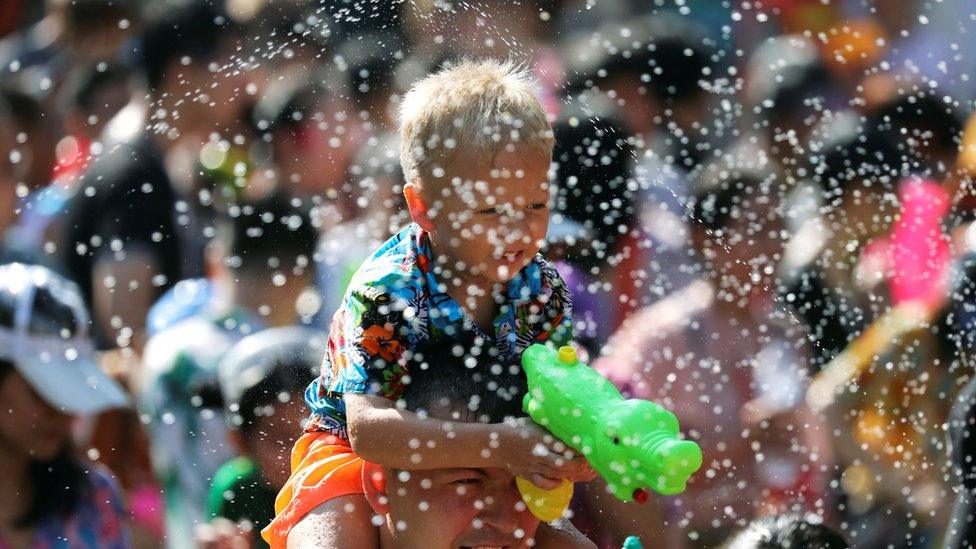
(374, 486)
(417, 207)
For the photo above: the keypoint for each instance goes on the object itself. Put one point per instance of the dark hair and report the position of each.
(466, 377)
(720, 200)
(785, 532)
(255, 233)
(288, 375)
(286, 106)
(673, 59)
(594, 183)
(57, 483)
(84, 85)
(26, 110)
(919, 117)
(854, 155)
(196, 28)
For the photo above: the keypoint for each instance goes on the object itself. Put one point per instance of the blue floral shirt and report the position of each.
(396, 304)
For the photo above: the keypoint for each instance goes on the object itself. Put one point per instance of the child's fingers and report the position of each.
(544, 482)
(586, 474)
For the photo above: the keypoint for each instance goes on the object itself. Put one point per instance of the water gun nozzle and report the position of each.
(640, 495)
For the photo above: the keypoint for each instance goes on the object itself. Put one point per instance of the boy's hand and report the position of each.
(531, 452)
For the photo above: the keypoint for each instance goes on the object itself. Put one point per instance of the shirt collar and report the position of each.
(526, 285)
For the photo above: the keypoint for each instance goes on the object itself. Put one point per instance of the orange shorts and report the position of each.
(323, 467)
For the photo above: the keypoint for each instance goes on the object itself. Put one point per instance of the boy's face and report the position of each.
(491, 220)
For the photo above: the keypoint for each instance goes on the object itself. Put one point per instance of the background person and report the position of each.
(48, 375)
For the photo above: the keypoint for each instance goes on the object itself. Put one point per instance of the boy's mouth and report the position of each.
(509, 257)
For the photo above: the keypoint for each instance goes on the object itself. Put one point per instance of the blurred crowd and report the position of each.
(763, 211)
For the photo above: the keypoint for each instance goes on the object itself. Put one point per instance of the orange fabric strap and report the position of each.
(323, 467)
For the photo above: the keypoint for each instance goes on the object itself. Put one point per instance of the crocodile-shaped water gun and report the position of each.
(633, 444)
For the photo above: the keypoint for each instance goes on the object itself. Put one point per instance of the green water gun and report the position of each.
(633, 444)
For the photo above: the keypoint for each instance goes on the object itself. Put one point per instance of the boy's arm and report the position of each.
(381, 433)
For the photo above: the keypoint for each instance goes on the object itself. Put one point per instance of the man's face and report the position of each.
(455, 508)
(491, 220)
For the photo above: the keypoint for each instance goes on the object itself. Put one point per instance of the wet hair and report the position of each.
(594, 183)
(194, 28)
(785, 532)
(272, 231)
(57, 483)
(467, 378)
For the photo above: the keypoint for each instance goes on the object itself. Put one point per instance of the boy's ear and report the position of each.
(374, 485)
(417, 207)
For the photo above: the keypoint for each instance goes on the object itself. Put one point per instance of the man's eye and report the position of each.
(470, 482)
(538, 206)
(489, 211)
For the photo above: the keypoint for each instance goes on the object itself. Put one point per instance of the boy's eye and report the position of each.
(538, 206)
(489, 211)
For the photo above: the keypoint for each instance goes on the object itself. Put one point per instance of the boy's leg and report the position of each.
(345, 521)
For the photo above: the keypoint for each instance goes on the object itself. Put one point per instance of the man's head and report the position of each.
(737, 227)
(313, 135)
(37, 137)
(92, 96)
(262, 381)
(475, 149)
(441, 508)
(266, 249)
(859, 170)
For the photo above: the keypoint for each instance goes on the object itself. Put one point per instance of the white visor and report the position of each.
(63, 370)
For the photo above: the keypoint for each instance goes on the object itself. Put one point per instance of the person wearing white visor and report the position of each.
(48, 375)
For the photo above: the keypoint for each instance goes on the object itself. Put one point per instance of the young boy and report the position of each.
(475, 152)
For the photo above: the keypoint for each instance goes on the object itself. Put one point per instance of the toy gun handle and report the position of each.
(545, 505)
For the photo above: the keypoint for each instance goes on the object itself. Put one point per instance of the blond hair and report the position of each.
(471, 108)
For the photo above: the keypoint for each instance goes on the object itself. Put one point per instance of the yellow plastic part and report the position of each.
(546, 505)
(567, 355)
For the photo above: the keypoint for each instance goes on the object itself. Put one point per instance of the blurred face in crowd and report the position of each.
(29, 426)
(96, 30)
(491, 220)
(744, 251)
(271, 437)
(279, 295)
(313, 155)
